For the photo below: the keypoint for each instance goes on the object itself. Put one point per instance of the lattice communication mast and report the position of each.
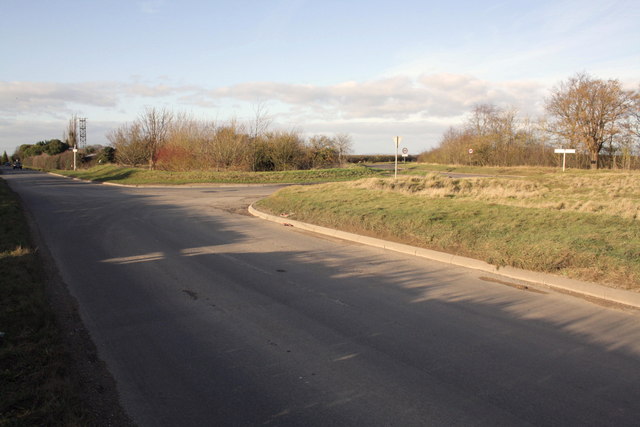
(83, 132)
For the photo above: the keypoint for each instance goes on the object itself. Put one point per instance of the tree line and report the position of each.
(162, 139)
(596, 117)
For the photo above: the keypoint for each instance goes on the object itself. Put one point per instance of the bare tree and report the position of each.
(484, 119)
(261, 120)
(155, 124)
(71, 133)
(344, 145)
(588, 112)
(632, 125)
(129, 144)
(322, 151)
(285, 149)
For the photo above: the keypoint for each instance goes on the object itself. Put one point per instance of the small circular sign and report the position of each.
(470, 150)
(405, 150)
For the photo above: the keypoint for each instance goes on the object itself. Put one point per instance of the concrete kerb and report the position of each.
(593, 290)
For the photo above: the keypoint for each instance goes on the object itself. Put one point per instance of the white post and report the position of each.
(397, 140)
(564, 152)
(75, 151)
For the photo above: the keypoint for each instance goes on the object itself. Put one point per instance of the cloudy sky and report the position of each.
(370, 68)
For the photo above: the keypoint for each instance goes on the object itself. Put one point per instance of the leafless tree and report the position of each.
(484, 119)
(261, 120)
(154, 124)
(344, 145)
(285, 149)
(71, 133)
(322, 151)
(588, 112)
(632, 125)
(129, 144)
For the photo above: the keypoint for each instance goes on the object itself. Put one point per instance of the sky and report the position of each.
(372, 69)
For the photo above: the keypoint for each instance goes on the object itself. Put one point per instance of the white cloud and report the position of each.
(423, 106)
(52, 98)
(390, 98)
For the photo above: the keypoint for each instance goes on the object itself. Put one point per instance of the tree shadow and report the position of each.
(230, 324)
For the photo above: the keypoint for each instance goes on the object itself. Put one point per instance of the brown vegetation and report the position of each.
(588, 113)
(189, 144)
(493, 137)
(596, 117)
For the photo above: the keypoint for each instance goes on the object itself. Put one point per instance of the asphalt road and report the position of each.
(207, 316)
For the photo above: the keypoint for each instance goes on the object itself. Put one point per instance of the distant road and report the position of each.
(207, 316)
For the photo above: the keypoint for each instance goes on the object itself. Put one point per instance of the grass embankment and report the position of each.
(414, 168)
(584, 224)
(35, 385)
(138, 176)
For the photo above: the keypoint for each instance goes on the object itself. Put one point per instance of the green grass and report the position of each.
(594, 234)
(139, 176)
(36, 387)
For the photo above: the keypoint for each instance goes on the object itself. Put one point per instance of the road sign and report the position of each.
(405, 150)
(564, 152)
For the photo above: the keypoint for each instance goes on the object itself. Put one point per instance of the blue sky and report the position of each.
(373, 69)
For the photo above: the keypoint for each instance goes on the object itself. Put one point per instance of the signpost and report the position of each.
(396, 140)
(564, 152)
(405, 154)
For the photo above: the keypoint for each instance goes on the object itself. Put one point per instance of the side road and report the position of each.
(586, 289)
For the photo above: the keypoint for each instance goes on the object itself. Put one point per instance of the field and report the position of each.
(579, 224)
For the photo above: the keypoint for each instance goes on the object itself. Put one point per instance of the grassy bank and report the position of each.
(35, 383)
(138, 176)
(584, 225)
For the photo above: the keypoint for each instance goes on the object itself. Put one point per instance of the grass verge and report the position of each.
(138, 176)
(583, 226)
(36, 387)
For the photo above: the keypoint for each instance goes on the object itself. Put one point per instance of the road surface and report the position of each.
(207, 316)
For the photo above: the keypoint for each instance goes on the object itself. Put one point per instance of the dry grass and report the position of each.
(17, 252)
(36, 385)
(616, 194)
(579, 225)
